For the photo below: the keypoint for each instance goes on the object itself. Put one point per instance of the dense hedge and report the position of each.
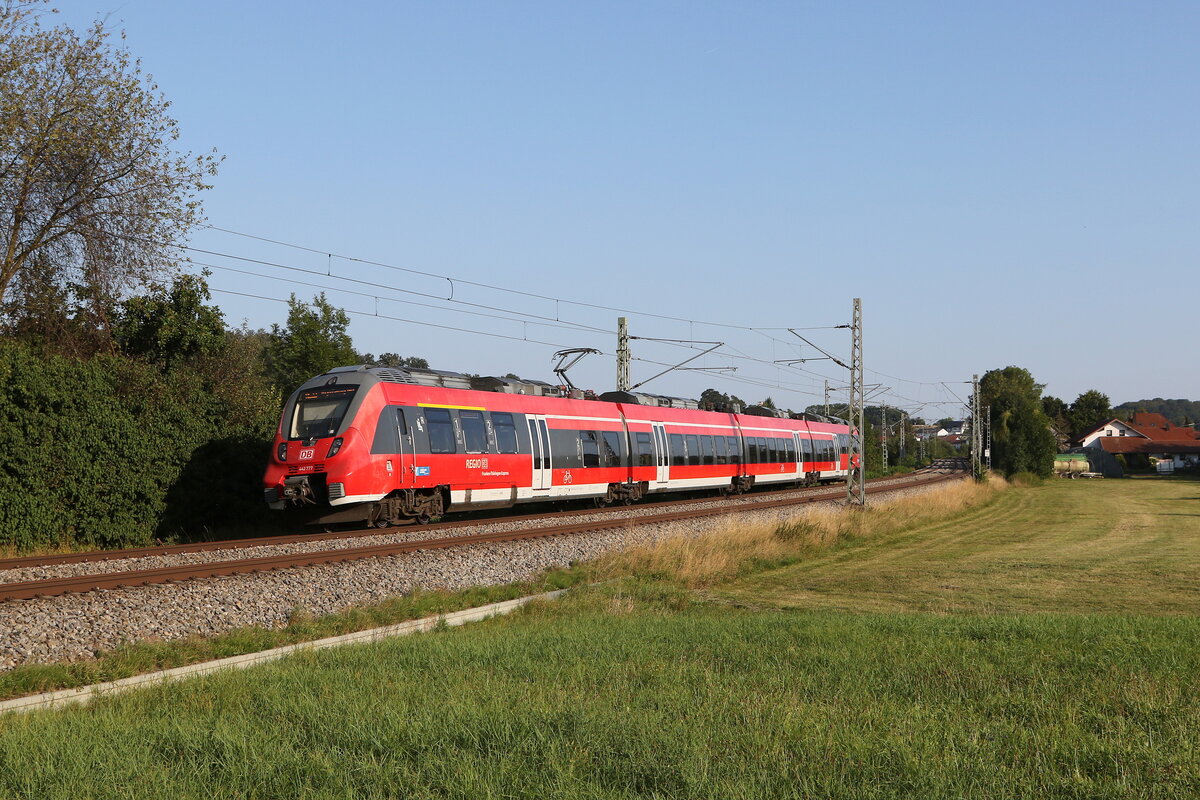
(112, 452)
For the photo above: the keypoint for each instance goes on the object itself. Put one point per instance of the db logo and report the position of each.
(307, 454)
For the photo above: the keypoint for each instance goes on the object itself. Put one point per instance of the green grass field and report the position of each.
(1042, 643)
(1119, 547)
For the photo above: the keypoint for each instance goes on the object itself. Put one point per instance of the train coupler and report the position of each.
(298, 490)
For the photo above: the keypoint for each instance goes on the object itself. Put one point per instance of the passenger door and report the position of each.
(662, 457)
(539, 447)
(404, 452)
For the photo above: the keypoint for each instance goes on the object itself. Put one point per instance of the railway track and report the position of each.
(50, 587)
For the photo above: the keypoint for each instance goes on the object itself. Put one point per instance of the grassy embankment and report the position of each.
(1031, 642)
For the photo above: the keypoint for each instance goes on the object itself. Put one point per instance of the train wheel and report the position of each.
(381, 523)
(422, 519)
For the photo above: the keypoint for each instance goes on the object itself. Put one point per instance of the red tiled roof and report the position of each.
(1133, 444)
(1165, 432)
(1150, 419)
(1155, 427)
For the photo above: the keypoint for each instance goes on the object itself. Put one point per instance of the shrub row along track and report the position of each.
(50, 587)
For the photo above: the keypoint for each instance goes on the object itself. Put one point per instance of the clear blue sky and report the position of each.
(1008, 183)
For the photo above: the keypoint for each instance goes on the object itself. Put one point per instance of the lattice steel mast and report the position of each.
(856, 490)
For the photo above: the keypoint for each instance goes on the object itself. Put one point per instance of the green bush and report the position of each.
(112, 452)
(1027, 479)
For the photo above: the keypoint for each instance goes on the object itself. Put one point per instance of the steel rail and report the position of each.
(51, 587)
(50, 559)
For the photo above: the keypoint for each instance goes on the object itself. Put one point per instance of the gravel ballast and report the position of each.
(80, 626)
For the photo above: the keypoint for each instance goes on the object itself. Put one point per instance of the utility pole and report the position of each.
(622, 355)
(856, 490)
(903, 419)
(987, 449)
(827, 397)
(883, 443)
(976, 431)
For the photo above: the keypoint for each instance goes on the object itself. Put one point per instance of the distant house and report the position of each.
(925, 432)
(1147, 434)
(958, 429)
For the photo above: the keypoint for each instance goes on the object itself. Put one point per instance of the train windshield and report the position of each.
(319, 412)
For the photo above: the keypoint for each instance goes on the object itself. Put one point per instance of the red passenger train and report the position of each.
(382, 445)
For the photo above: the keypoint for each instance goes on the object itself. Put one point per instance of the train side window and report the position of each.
(806, 450)
(706, 449)
(474, 431)
(506, 432)
(772, 450)
(386, 441)
(645, 449)
(735, 449)
(722, 453)
(790, 446)
(441, 430)
(611, 451)
(678, 454)
(590, 448)
(533, 444)
(693, 448)
(762, 449)
(406, 435)
(751, 450)
(565, 449)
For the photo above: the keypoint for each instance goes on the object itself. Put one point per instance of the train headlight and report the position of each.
(333, 448)
(282, 452)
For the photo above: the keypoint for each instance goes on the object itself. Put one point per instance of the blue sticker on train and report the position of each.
(422, 470)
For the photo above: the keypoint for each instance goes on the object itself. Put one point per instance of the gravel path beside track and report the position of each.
(76, 627)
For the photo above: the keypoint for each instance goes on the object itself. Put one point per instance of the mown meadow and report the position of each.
(1023, 641)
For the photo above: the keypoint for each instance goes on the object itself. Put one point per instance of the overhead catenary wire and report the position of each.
(517, 316)
(494, 287)
(545, 321)
(737, 379)
(408, 321)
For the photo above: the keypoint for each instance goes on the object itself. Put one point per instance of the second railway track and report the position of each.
(53, 586)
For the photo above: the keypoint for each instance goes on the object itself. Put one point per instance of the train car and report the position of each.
(382, 446)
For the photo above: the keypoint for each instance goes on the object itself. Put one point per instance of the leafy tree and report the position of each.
(396, 361)
(313, 341)
(1056, 411)
(768, 403)
(1021, 437)
(93, 193)
(171, 325)
(1179, 412)
(1089, 410)
(233, 377)
(58, 319)
(715, 399)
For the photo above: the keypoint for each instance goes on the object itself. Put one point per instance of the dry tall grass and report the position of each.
(700, 561)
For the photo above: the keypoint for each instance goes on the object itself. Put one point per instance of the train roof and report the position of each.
(419, 376)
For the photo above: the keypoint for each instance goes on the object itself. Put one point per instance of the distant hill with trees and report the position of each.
(1179, 412)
